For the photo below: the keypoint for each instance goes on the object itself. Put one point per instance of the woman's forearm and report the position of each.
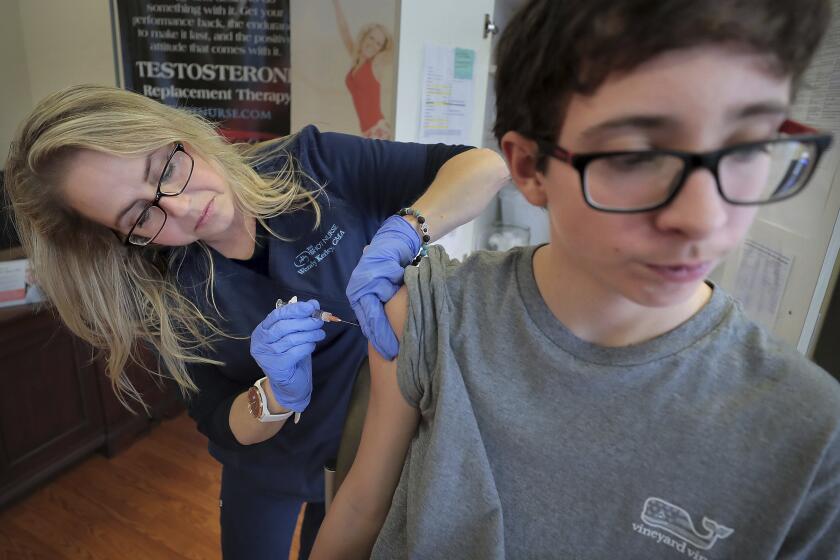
(462, 188)
(248, 430)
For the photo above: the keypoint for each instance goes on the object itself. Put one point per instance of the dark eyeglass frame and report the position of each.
(160, 194)
(691, 162)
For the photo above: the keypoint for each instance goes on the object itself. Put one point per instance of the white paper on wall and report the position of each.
(446, 109)
(762, 275)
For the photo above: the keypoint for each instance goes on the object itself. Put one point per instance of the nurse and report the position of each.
(147, 230)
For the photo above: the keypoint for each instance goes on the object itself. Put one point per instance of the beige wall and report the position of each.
(14, 87)
(46, 45)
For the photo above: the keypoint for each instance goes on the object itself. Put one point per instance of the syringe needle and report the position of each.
(323, 315)
(329, 317)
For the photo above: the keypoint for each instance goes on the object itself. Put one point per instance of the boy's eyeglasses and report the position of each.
(150, 219)
(746, 174)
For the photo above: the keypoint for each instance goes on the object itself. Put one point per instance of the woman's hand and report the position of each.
(282, 345)
(377, 278)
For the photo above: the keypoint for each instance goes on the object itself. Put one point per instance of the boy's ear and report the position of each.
(522, 154)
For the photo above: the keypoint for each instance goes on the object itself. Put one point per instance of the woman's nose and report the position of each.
(175, 206)
(698, 210)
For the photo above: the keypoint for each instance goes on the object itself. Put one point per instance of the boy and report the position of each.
(596, 397)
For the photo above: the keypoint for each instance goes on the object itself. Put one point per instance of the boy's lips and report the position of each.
(205, 214)
(682, 272)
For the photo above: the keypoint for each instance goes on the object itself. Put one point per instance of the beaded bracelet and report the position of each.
(424, 231)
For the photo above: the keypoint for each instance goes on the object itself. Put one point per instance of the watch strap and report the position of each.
(258, 405)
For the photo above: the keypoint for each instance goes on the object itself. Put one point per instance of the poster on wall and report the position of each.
(227, 60)
(343, 66)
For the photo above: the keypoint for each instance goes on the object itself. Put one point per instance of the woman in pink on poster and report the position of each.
(371, 54)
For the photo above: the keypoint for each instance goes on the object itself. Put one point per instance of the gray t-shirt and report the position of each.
(711, 441)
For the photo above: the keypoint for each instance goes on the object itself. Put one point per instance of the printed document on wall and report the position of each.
(447, 102)
(762, 275)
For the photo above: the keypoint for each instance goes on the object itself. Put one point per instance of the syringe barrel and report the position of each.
(322, 315)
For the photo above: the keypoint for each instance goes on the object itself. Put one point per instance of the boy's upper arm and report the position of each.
(390, 424)
(384, 385)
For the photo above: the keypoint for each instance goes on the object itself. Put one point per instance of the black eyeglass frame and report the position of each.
(160, 194)
(691, 162)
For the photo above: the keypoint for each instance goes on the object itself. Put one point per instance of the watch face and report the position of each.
(254, 403)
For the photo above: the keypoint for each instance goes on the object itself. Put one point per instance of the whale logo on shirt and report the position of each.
(675, 520)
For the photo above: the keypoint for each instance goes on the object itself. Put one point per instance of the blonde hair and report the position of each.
(363, 33)
(120, 299)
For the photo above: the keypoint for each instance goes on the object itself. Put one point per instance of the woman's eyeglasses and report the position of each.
(150, 219)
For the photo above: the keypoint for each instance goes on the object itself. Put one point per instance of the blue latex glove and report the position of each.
(377, 278)
(282, 345)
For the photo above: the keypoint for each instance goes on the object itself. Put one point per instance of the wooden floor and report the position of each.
(157, 500)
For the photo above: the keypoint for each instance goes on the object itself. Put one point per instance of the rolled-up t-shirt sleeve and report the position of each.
(425, 342)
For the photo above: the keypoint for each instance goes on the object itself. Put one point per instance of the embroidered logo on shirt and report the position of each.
(665, 516)
(310, 257)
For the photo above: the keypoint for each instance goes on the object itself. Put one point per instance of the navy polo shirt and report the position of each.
(364, 181)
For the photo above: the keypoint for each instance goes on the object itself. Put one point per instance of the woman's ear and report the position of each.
(522, 156)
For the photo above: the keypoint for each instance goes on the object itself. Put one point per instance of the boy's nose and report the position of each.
(176, 206)
(698, 209)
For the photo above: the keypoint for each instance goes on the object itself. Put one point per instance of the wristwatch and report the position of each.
(258, 405)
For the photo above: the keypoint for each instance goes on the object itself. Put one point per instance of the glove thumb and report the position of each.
(378, 327)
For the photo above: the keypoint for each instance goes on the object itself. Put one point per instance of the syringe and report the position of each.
(325, 316)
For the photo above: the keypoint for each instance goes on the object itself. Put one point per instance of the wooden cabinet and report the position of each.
(50, 415)
(121, 425)
(56, 405)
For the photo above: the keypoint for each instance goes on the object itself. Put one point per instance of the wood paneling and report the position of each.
(57, 406)
(50, 413)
